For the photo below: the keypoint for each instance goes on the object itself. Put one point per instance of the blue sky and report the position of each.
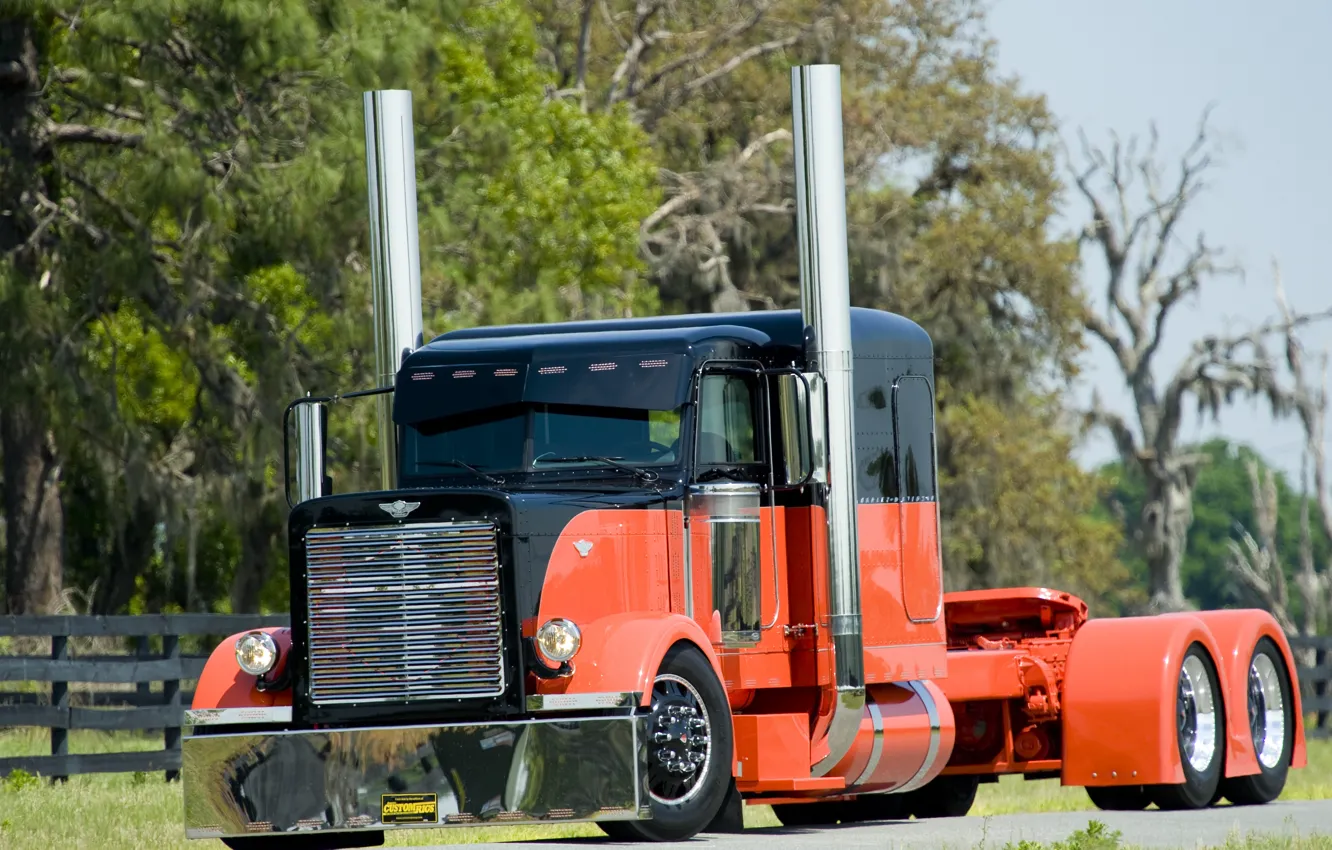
(1267, 68)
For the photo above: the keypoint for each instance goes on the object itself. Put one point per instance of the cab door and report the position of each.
(730, 543)
(918, 506)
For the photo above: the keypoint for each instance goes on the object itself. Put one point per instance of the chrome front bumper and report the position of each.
(536, 771)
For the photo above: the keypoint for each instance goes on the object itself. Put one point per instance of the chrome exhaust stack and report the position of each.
(395, 257)
(825, 306)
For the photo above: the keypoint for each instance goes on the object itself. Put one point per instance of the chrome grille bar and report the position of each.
(404, 613)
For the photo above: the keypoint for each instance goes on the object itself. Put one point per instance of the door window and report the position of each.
(726, 432)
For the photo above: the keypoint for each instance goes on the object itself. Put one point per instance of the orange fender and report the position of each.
(621, 653)
(223, 684)
(1120, 689)
(1238, 632)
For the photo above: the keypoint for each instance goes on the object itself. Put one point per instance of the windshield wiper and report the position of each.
(646, 474)
(464, 465)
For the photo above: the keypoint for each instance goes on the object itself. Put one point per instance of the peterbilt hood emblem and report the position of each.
(399, 509)
(583, 547)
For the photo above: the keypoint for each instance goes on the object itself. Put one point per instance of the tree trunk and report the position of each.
(1167, 514)
(31, 492)
(34, 520)
(260, 532)
(132, 555)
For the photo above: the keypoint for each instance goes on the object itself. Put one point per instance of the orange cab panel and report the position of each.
(896, 647)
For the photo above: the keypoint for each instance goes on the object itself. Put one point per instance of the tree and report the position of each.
(1257, 562)
(1009, 519)
(1150, 269)
(185, 183)
(964, 248)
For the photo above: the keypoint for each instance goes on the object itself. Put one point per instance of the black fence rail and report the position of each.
(1315, 673)
(155, 656)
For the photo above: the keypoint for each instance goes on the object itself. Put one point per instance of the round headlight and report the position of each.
(256, 653)
(559, 640)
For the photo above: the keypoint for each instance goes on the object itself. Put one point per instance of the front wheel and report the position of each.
(1200, 734)
(690, 750)
(1271, 727)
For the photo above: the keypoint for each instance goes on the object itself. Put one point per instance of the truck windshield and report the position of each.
(542, 437)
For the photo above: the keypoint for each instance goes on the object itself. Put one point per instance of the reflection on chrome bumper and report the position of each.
(538, 771)
(237, 716)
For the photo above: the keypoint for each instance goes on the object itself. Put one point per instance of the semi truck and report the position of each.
(643, 572)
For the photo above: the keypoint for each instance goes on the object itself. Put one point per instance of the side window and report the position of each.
(913, 410)
(726, 420)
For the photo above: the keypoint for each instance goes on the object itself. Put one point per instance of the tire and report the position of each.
(944, 797)
(307, 841)
(1119, 798)
(684, 804)
(1198, 702)
(1269, 682)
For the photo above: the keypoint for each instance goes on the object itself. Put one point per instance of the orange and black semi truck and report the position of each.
(641, 572)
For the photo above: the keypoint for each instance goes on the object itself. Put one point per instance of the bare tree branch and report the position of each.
(584, 41)
(1256, 563)
(83, 133)
(1135, 218)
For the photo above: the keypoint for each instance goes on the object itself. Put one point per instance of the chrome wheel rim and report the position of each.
(1267, 711)
(681, 741)
(1196, 714)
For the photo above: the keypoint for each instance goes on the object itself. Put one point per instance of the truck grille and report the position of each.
(404, 613)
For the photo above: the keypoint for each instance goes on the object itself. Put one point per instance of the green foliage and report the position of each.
(212, 264)
(1222, 511)
(1022, 509)
(19, 779)
(1097, 836)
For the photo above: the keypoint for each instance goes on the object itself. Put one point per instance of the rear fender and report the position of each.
(1238, 632)
(622, 652)
(1120, 690)
(223, 684)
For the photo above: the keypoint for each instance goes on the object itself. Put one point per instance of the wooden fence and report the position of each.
(1316, 695)
(145, 709)
(111, 710)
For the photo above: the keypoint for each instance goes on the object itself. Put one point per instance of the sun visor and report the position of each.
(430, 392)
(637, 381)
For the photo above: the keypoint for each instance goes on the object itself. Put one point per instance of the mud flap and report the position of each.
(731, 816)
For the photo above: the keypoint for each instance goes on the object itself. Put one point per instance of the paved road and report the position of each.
(1148, 829)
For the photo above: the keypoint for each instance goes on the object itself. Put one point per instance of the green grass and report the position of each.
(127, 812)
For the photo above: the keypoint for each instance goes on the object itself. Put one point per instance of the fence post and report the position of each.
(60, 700)
(171, 698)
(1320, 685)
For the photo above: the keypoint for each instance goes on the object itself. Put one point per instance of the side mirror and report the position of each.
(311, 425)
(803, 418)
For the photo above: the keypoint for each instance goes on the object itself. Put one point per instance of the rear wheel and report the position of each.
(1200, 734)
(1271, 709)
(1119, 798)
(689, 751)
